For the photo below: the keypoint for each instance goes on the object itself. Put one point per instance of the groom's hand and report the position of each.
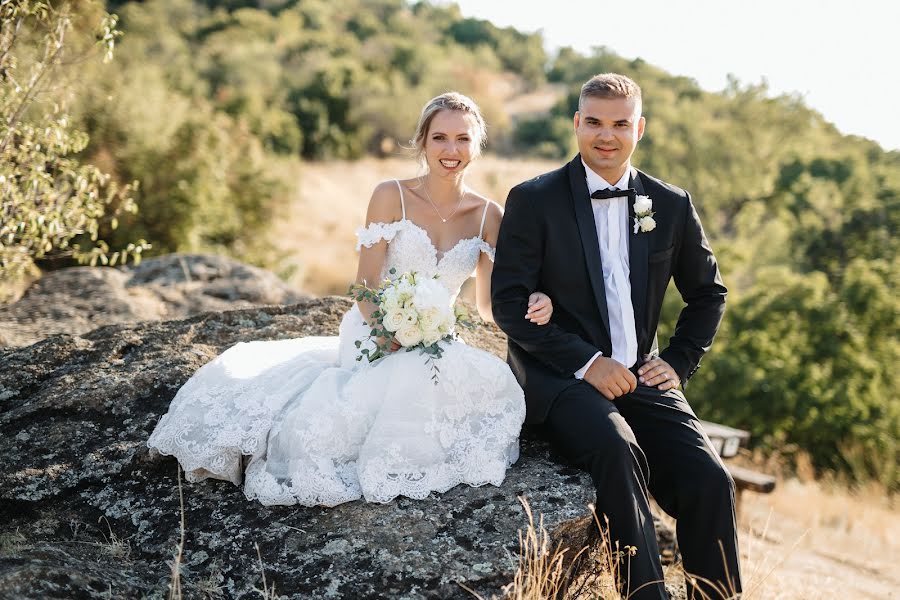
(658, 373)
(610, 378)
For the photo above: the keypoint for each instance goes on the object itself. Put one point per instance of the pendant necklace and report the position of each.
(434, 206)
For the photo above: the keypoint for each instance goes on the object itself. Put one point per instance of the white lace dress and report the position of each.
(316, 427)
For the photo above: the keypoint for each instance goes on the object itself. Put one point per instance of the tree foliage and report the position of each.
(53, 203)
(225, 97)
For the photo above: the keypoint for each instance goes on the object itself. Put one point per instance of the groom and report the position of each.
(587, 235)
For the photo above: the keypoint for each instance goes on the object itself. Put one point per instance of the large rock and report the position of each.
(88, 512)
(174, 286)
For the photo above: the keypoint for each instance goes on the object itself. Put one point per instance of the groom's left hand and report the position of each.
(658, 373)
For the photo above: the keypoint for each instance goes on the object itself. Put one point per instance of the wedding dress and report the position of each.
(314, 426)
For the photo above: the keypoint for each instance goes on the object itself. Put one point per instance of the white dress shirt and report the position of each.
(611, 221)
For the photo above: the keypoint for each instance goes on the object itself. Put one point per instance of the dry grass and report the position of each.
(540, 571)
(175, 591)
(809, 539)
(11, 542)
(265, 592)
(10, 291)
(588, 571)
(210, 587)
(820, 540)
(537, 102)
(316, 231)
(116, 547)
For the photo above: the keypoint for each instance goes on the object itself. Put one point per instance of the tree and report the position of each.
(52, 202)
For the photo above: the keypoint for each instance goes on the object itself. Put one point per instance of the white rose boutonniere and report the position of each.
(643, 214)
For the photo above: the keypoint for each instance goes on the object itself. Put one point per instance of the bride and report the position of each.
(309, 424)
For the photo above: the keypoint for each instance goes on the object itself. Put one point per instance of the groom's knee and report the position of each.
(709, 480)
(615, 452)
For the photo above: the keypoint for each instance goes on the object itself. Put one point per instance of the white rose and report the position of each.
(409, 336)
(429, 318)
(394, 319)
(642, 204)
(646, 224)
(410, 318)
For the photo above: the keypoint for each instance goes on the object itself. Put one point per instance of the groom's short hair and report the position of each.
(609, 85)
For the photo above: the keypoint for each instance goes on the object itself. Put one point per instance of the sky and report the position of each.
(842, 58)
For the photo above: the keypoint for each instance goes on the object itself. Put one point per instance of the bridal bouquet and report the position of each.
(413, 310)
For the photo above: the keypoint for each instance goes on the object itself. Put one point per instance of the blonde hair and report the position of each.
(448, 101)
(609, 85)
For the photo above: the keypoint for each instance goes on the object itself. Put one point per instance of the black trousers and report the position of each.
(651, 441)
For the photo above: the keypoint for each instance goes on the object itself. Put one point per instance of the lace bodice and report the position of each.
(410, 249)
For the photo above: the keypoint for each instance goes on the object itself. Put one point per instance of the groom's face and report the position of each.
(608, 129)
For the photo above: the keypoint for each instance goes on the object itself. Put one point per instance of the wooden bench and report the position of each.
(726, 441)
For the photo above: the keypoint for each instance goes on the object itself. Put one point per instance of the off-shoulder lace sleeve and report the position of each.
(487, 249)
(375, 232)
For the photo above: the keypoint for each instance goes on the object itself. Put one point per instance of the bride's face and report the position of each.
(451, 143)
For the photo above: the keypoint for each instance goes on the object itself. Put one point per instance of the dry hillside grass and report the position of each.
(818, 540)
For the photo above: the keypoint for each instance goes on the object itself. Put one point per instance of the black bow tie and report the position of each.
(614, 193)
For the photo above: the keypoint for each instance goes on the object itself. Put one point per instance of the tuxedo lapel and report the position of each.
(638, 253)
(584, 215)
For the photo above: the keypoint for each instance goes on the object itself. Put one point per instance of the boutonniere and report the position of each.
(643, 214)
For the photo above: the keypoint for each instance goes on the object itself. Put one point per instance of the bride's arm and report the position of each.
(483, 288)
(384, 207)
(485, 265)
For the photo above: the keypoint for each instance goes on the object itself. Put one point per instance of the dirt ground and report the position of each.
(816, 540)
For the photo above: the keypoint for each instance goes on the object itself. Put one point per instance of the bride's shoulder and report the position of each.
(481, 201)
(384, 205)
(384, 216)
(493, 213)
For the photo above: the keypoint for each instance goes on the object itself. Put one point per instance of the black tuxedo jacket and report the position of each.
(548, 243)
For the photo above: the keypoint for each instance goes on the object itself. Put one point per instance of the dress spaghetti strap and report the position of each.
(402, 204)
(487, 203)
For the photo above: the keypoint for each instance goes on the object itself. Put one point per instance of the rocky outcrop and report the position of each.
(88, 512)
(175, 286)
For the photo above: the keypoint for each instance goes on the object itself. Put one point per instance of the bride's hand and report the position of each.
(395, 345)
(540, 307)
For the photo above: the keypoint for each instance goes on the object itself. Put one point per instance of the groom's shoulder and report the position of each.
(542, 183)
